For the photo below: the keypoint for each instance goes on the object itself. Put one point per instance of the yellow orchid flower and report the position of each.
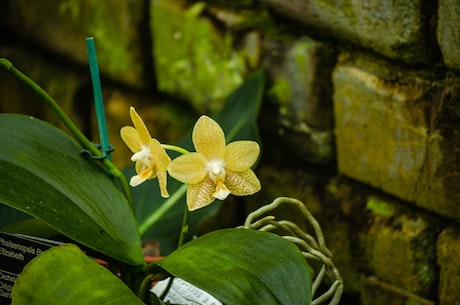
(151, 159)
(215, 170)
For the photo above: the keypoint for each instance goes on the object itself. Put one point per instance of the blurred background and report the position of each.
(359, 119)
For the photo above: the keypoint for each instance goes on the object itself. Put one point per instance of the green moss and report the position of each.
(281, 93)
(380, 207)
(192, 59)
(300, 53)
(72, 7)
(113, 24)
(105, 27)
(343, 8)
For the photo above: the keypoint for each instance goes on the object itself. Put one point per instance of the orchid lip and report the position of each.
(142, 154)
(216, 167)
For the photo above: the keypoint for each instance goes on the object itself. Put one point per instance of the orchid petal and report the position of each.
(241, 155)
(200, 195)
(208, 138)
(140, 126)
(160, 157)
(162, 179)
(221, 192)
(136, 180)
(131, 138)
(142, 176)
(189, 168)
(242, 184)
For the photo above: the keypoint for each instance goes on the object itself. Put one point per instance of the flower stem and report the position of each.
(184, 229)
(175, 148)
(144, 289)
(7, 65)
(156, 216)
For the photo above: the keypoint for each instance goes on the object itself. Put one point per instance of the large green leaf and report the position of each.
(65, 275)
(239, 121)
(44, 175)
(31, 226)
(9, 216)
(239, 267)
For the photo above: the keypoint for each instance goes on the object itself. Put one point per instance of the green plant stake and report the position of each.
(98, 102)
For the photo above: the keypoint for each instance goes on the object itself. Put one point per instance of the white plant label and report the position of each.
(182, 292)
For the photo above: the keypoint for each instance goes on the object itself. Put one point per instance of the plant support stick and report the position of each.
(97, 92)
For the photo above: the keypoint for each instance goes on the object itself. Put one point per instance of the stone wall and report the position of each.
(360, 120)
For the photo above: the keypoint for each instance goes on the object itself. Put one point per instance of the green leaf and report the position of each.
(238, 120)
(9, 216)
(239, 116)
(240, 266)
(32, 227)
(44, 175)
(65, 275)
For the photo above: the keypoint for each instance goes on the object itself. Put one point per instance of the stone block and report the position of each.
(375, 292)
(378, 237)
(60, 83)
(397, 130)
(400, 248)
(299, 71)
(449, 266)
(448, 32)
(193, 58)
(60, 27)
(396, 29)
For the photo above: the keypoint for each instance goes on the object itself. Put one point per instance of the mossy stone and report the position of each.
(61, 27)
(397, 130)
(402, 253)
(300, 72)
(449, 265)
(63, 85)
(448, 32)
(396, 29)
(192, 58)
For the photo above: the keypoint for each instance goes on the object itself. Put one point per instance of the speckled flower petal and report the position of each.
(162, 180)
(160, 157)
(241, 155)
(140, 126)
(242, 184)
(200, 195)
(208, 138)
(131, 138)
(189, 168)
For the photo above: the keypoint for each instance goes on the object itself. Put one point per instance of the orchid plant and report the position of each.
(45, 175)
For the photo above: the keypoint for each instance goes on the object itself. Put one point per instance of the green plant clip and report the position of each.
(105, 154)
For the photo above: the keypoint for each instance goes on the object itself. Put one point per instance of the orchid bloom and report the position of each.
(151, 159)
(215, 170)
